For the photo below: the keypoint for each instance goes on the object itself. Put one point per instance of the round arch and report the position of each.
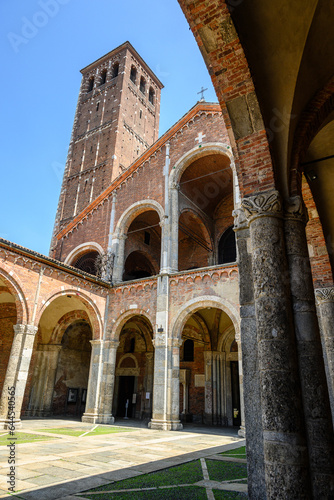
(200, 303)
(15, 289)
(64, 322)
(124, 317)
(134, 210)
(194, 154)
(92, 310)
(83, 248)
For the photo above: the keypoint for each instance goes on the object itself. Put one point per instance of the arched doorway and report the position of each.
(134, 370)
(209, 373)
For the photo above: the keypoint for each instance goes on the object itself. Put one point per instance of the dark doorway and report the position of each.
(235, 393)
(125, 392)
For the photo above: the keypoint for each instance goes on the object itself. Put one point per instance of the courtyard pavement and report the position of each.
(67, 465)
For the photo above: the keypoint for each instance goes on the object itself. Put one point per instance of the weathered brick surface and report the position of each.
(319, 258)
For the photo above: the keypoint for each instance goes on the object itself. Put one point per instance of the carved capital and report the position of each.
(240, 220)
(176, 342)
(159, 339)
(294, 209)
(27, 329)
(324, 294)
(111, 344)
(262, 205)
(175, 185)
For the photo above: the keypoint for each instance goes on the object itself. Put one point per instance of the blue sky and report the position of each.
(44, 44)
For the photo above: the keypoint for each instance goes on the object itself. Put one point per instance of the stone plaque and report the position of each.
(199, 380)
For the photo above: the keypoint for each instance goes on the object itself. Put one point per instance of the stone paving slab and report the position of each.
(49, 468)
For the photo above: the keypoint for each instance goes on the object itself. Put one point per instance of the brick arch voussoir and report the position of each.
(124, 317)
(129, 215)
(13, 284)
(198, 303)
(93, 312)
(194, 154)
(309, 124)
(64, 322)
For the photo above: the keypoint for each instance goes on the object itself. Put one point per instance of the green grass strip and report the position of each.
(23, 437)
(226, 471)
(66, 431)
(186, 493)
(188, 473)
(228, 495)
(237, 452)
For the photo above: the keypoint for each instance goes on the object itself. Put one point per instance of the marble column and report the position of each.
(318, 418)
(46, 364)
(325, 303)
(148, 385)
(16, 376)
(284, 442)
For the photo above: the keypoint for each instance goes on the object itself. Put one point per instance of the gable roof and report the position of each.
(199, 106)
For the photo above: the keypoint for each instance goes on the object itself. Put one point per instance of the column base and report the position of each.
(165, 425)
(95, 418)
(12, 425)
(242, 431)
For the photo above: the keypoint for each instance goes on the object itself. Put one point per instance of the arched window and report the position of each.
(90, 84)
(133, 74)
(87, 262)
(103, 77)
(188, 350)
(151, 95)
(115, 69)
(227, 251)
(142, 85)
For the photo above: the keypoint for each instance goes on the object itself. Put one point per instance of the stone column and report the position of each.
(174, 229)
(242, 430)
(325, 302)
(101, 382)
(249, 361)
(208, 409)
(184, 380)
(44, 380)
(118, 247)
(107, 383)
(284, 443)
(165, 244)
(148, 386)
(94, 380)
(16, 375)
(318, 418)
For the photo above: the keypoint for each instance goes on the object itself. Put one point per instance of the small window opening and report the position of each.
(132, 345)
(97, 106)
(115, 69)
(142, 85)
(103, 77)
(91, 148)
(90, 85)
(140, 114)
(147, 238)
(151, 95)
(133, 74)
(188, 350)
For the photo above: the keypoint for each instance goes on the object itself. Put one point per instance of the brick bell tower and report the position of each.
(116, 120)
